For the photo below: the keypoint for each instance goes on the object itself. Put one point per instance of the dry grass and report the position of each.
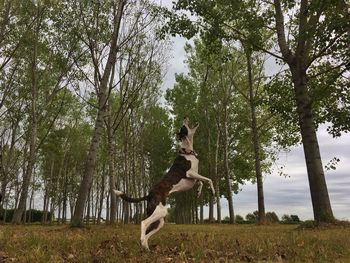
(174, 243)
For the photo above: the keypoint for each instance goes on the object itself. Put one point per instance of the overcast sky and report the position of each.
(289, 195)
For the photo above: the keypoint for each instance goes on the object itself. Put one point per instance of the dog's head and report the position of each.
(186, 131)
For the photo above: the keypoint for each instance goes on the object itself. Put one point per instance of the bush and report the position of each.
(290, 219)
(226, 220)
(35, 215)
(272, 217)
(252, 217)
(239, 219)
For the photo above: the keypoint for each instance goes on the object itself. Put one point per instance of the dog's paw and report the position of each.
(144, 245)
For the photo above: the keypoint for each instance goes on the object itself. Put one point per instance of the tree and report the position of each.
(252, 217)
(272, 217)
(37, 91)
(318, 32)
(286, 219)
(239, 219)
(103, 91)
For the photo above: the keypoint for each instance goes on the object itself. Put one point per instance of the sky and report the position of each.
(285, 195)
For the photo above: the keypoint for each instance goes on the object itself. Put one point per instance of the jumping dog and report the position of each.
(182, 176)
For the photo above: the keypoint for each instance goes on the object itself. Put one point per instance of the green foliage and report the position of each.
(272, 217)
(157, 142)
(32, 215)
(217, 82)
(252, 217)
(239, 219)
(290, 219)
(327, 64)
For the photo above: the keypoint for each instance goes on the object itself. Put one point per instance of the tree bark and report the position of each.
(318, 187)
(217, 179)
(100, 208)
(227, 170)
(111, 169)
(77, 219)
(18, 214)
(211, 201)
(298, 65)
(256, 142)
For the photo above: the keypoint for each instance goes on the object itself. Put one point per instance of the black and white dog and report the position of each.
(182, 176)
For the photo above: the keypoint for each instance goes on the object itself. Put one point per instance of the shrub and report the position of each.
(290, 219)
(35, 215)
(272, 217)
(239, 219)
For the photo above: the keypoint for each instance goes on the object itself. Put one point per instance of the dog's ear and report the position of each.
(195, 127)
(182, 133)
(185, 121)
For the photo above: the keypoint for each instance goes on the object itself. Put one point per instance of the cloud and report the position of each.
(292, 195)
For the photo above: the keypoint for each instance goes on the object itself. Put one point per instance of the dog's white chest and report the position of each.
(188, 183)
(194, 161)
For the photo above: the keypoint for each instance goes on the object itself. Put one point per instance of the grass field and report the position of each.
(174, 243)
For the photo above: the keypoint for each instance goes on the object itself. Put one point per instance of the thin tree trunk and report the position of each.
(90, 163)
(256, 142)
(126, 172)
(226, 170)
(17, 216)
(217, 179)
(64, 208)
(44, 217)
(111, 169)
(211, 201)
(101, 195)
(107, 208)
(87, 217)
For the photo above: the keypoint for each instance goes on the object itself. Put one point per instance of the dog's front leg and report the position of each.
(194, 175)
(199, 189)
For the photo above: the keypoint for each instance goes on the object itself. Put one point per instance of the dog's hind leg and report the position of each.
(152, 232)
(159, 213)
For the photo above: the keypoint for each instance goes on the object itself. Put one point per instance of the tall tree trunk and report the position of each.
(211, 201)
(18, 214)
(201, 211)
(4, 169)
(126, 210)
(107, 208)
(217, 179)
(297, 63)
(77, 219)
(64, 203)
(44, 216)
(101, 195)
(256, 142)
(226, 170)
(111, 169)
(319, 193)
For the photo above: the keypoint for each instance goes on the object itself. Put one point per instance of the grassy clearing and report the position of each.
(174, 243)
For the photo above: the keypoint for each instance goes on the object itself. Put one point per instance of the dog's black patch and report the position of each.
(153, 226)
(182, 133)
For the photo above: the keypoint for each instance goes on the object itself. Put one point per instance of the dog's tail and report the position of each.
(130, 199)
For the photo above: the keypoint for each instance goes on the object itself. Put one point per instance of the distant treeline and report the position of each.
(31, 216)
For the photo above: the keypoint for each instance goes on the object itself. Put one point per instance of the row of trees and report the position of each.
(80, 91)
(310, 39)
(79, 107)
